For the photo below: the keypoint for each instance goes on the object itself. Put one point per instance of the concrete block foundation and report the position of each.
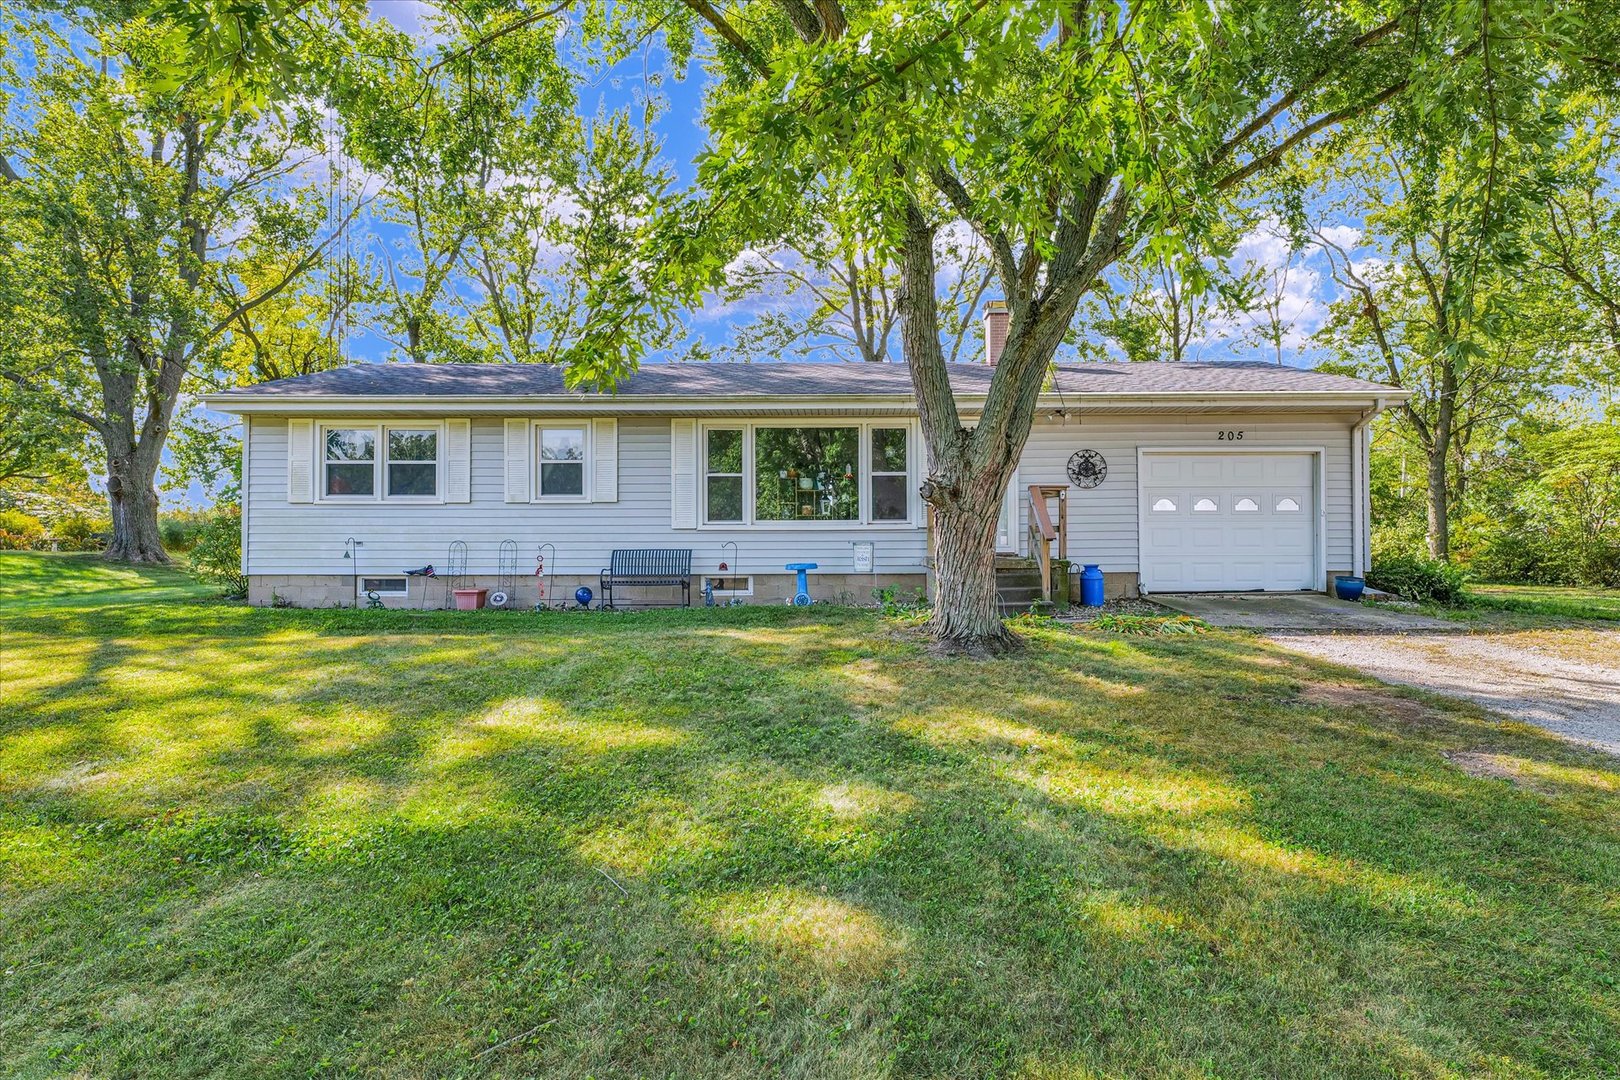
(338, 590)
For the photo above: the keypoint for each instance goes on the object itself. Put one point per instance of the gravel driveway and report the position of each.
(1576, 698)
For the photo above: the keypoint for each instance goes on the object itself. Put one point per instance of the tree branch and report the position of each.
(706, 11)
(1275, 154)
(1288, 100)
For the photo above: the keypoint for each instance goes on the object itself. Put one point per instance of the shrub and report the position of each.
(180, 529)
(892, 602)
(216, 555)
(80, 532)
(19, 531)
(1417, 578)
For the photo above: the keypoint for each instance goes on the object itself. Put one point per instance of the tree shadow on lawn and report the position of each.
(791, 843)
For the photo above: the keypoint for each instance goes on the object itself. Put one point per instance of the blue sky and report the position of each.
(1301, 281)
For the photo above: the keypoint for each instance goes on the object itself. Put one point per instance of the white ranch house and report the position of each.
(1219, 477)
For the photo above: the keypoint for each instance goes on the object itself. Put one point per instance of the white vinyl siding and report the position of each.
(653, 501)
(308, 539)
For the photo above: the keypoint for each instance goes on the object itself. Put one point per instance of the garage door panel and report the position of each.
(1249, 470)
(1247, 538)
(1234, 521)
(1291, 538)
(1291, 470)
(1164, 470)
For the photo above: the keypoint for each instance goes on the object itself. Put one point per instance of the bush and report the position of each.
(180, 529)
(19, 531)
(1420, 579)
(81, 532)
(216, 555)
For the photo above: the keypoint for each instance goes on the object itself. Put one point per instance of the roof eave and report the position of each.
(672, 404)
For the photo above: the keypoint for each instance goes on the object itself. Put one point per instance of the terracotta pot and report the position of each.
(470, 599)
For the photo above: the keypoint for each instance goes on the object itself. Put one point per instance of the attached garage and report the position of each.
(1230, 520)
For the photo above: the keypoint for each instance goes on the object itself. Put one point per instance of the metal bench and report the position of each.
(648, 567)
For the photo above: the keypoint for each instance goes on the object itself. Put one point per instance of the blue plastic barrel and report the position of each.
(1091, 586)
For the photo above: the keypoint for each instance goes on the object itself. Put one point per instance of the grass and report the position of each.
(37, 581)
(1549, 600)
(763, 841)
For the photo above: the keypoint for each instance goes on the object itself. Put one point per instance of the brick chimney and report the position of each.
(995, 330)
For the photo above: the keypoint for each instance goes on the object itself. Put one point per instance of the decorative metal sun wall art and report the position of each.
(1087, 468)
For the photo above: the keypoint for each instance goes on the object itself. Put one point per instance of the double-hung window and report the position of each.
(380, 461)
(413, 462)
(351, 462)
(562, 462)
(723, 475)
(891, 494)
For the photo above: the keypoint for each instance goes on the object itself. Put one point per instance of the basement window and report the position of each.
(727, 586)
(385, 586)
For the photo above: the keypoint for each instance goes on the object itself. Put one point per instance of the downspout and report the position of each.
(242, 491)
(1361, 480)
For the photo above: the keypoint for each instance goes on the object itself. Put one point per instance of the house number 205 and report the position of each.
(1229, 436)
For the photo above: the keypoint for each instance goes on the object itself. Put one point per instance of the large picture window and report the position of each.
(562, 462)
(351, 462)
(764, 473)
(723, 475)
(807, 474)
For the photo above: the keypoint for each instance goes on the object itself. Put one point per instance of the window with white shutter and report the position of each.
(605, 461)
(458, 461)
(300, 461)
(517, 461)
(683, 473)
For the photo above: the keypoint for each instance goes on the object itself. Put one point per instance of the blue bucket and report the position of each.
(1091, 586)
(1349, 588)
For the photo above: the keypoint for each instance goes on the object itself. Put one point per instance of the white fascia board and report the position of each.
(665, 405)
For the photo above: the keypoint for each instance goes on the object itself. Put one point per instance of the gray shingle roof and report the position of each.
(789, 380)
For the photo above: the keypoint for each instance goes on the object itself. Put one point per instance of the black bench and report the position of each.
(650, 567)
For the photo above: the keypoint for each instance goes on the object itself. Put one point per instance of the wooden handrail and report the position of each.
(1038, 513)
(1042, 530)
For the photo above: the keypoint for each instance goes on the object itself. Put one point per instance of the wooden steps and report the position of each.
(1018, 583)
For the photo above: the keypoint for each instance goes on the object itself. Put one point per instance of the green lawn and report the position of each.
(763, 841)
(1550, 600)
(35, 581)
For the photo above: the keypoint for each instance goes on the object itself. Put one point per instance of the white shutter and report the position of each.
(605, 461)
(517, 461)
(683, 473)
(458, 461)
(300, 461)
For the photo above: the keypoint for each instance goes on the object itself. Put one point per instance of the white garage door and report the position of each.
(1228, 522)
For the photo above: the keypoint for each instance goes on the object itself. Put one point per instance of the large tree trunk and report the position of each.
(1439, 505)
(1439, 451)
(132, 498)
(966, 614)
